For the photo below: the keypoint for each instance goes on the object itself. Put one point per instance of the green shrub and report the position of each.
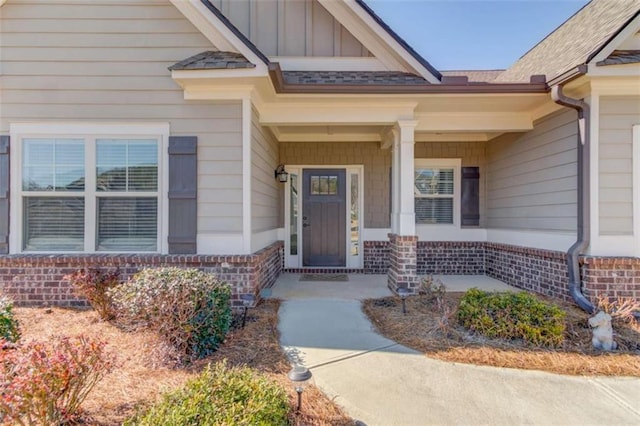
(94, 285)
(9, 329)
(44, 383)
(512, 316)
(189, 309)
(220, 396)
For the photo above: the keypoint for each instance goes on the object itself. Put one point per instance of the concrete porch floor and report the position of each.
(361, 286)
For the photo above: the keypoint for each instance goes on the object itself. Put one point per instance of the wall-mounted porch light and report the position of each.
(281, 174)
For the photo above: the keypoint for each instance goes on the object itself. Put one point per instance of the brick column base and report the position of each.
(403, 265)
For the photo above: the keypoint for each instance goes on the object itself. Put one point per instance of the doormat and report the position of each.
(324, 277)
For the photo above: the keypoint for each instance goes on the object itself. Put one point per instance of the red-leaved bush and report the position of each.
(44, 383)
(93, 284)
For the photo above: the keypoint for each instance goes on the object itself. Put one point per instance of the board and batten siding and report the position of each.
(532, 177)
(291, 28)
(106, 61)
(618, 115)
(265, 189)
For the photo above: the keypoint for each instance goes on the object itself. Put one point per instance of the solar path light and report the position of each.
(300, 377)
(248, 301)
(403, 292)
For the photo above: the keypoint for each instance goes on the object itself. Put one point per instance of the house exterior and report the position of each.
(150, 132)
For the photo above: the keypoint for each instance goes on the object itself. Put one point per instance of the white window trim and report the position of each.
(456, 165)
(88, 131)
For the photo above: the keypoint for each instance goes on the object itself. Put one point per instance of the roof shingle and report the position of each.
(352, 78)
(573, 42)
(618, 57)
(213, 60)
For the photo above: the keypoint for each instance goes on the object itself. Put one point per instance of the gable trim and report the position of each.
(400, 40)
(625, 31)
(220, 31)
(379, 39)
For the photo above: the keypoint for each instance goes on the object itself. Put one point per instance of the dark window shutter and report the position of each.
(183, 181)
(4, 194)
(470, 191)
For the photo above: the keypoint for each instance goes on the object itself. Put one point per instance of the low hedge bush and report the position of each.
(190, 310)
(220, 396)
(44, 383)
(512, 316)
(9, 328)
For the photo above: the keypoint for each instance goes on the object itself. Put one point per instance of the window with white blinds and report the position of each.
(90, 194)
(435, 190)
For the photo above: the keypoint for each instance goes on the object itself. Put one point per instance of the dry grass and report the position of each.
(424, 329)
(139, 378)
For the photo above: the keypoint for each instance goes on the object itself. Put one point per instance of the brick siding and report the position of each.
(611, 276)
(403, 262)
(451, 258)
(539, 271)
(37, 280)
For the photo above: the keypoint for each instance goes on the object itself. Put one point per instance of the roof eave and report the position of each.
(282, 87)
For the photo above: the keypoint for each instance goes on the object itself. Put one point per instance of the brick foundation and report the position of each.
(451, 258)
(539, 271)
(376, 257)
(403, 262)
(37, 280)
(611, 276)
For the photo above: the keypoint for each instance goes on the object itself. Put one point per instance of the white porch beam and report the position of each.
(336, 114)
(474, 122)
(403, 153)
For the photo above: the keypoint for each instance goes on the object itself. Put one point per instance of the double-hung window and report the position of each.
(90, 193)
(436, 191)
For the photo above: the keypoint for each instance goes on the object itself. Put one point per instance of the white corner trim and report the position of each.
(636, 189)
(627, 32)
(216, 31)
(246, 175)
(594, 169)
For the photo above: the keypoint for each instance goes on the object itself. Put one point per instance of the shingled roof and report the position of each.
(475, 76)
(213, 60)
(574, 42)
(352, 78)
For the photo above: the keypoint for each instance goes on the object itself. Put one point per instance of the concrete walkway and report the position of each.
(380, 382)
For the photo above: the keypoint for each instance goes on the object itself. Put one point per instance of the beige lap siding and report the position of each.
(531, 177)
(96, 61)
(266, 192)
(618, 115)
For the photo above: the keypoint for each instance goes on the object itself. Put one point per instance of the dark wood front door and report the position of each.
(324, 216)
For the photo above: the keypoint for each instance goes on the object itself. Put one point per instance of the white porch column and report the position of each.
(403, 186)
(395, 179)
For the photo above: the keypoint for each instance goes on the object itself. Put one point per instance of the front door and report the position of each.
(324, 215)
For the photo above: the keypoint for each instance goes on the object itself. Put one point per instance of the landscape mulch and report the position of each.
(426, 328)
(141, 376)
